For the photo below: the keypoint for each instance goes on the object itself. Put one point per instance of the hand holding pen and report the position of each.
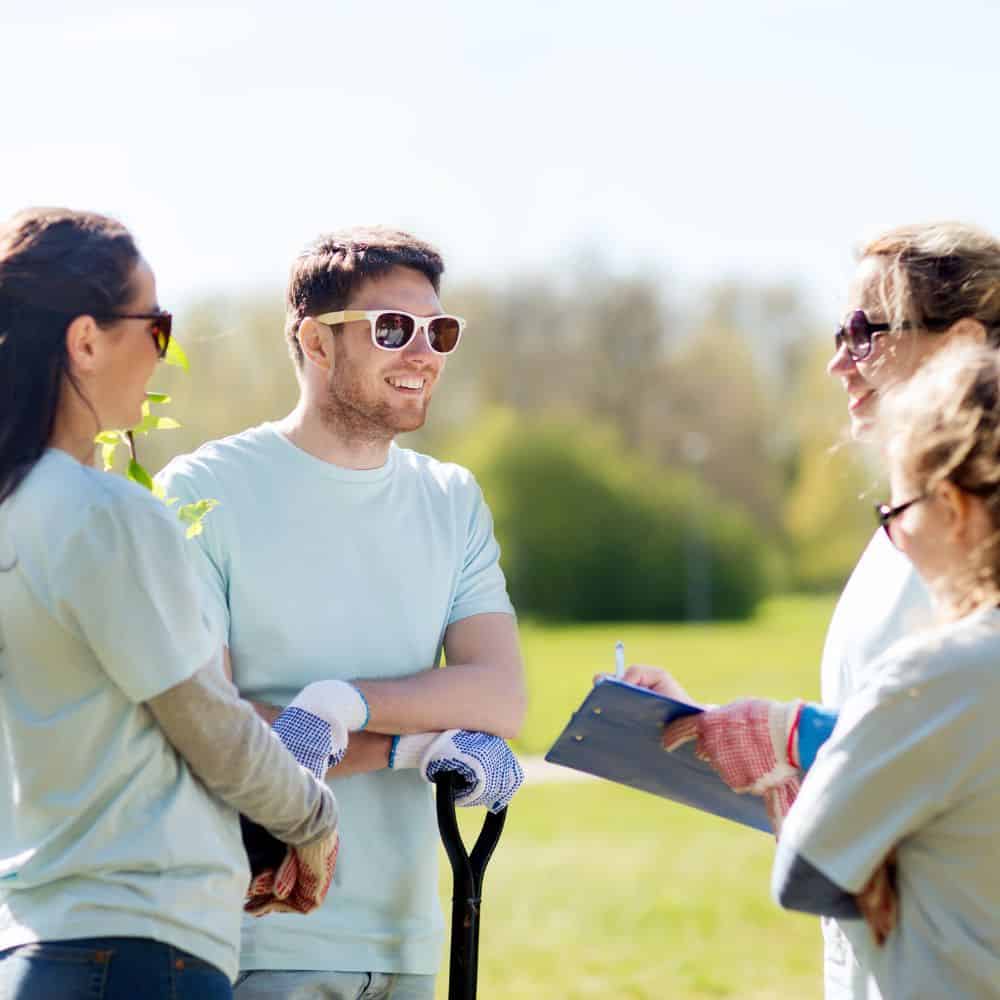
(653, 678)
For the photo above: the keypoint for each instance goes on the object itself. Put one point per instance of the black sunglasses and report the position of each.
(163, 323)
(886, 514)
(857, 332)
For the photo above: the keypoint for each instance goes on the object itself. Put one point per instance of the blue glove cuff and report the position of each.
(815, 726)
(368, 711)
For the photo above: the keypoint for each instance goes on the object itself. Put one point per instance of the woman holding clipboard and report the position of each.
(918, 290)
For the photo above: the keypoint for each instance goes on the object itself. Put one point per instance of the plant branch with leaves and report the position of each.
(191, 514)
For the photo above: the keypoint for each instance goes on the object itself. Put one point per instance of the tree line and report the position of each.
(645, 456)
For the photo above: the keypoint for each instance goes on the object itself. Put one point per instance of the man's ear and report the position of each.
(83, 344)
(316, 341)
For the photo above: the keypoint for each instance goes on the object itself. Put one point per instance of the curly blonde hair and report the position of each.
(944, 424)
(938, 273)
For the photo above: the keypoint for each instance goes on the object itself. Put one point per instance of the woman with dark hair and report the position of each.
(126, 753)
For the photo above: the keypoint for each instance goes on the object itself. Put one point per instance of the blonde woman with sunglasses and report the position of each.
(912, 769)
(126, 754)
(917, 290)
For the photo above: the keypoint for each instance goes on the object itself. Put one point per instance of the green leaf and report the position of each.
(193, 514)
(147, 424)
(151, 422)
(169, 501)
(139, 475)
(176, 356)
(109, 441)
(157, 397)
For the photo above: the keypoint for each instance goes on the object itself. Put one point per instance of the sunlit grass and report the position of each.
(775, 654)
(600, 891)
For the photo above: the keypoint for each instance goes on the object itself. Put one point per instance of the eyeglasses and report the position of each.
(160, 330)
(857, 332)
(392, 330)
(886, 514)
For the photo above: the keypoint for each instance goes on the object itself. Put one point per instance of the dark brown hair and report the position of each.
(55, 265)
(331, 268)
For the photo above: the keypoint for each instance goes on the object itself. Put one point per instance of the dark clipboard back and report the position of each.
(616, 734)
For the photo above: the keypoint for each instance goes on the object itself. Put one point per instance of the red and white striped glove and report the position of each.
(300, 883)
(315, 729)
(752, 744)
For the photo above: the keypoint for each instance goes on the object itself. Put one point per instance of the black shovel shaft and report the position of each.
(466, 900)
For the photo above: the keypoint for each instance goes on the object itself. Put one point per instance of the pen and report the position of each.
(619, 661)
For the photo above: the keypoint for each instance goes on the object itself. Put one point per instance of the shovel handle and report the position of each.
(467, 871)
(469, 867)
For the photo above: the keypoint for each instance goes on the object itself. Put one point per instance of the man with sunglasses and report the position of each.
(340, 566)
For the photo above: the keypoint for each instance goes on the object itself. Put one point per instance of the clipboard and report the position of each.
(617, 734)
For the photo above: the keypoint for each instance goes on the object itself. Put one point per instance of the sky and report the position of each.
(757, 139)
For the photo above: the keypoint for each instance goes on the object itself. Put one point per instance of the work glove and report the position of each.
(752, 744)
(315, 726)
(314, 729)
(878, 901)
(488, 771)
(300, 882)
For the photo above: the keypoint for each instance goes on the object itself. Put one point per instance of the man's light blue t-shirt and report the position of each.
(103, 829)
(322, 572)
(914, 765)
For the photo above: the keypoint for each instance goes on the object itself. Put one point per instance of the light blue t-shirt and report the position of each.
(322, 572)
(103, 829)
(884, 601)
(914, 764)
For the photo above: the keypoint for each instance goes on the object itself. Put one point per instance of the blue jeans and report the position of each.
(111, 968)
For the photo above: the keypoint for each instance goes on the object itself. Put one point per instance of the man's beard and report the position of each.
(355, 418)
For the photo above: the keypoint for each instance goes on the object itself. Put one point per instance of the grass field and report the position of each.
(600, 891)
(775, 654)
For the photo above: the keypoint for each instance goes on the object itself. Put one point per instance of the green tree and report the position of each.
(828, 514)
(590, 531)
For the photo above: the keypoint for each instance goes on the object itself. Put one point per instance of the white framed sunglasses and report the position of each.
(392, 330)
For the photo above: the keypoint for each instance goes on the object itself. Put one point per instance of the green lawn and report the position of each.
(775, 654)
(600, 891)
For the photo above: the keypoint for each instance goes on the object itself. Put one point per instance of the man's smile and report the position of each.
(408, 384)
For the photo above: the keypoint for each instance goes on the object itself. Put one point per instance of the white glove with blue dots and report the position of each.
(488, 770)
(315, 726)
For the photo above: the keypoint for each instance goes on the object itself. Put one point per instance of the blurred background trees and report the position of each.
(646, 455)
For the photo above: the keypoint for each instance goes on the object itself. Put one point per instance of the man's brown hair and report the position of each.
(331, 268)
